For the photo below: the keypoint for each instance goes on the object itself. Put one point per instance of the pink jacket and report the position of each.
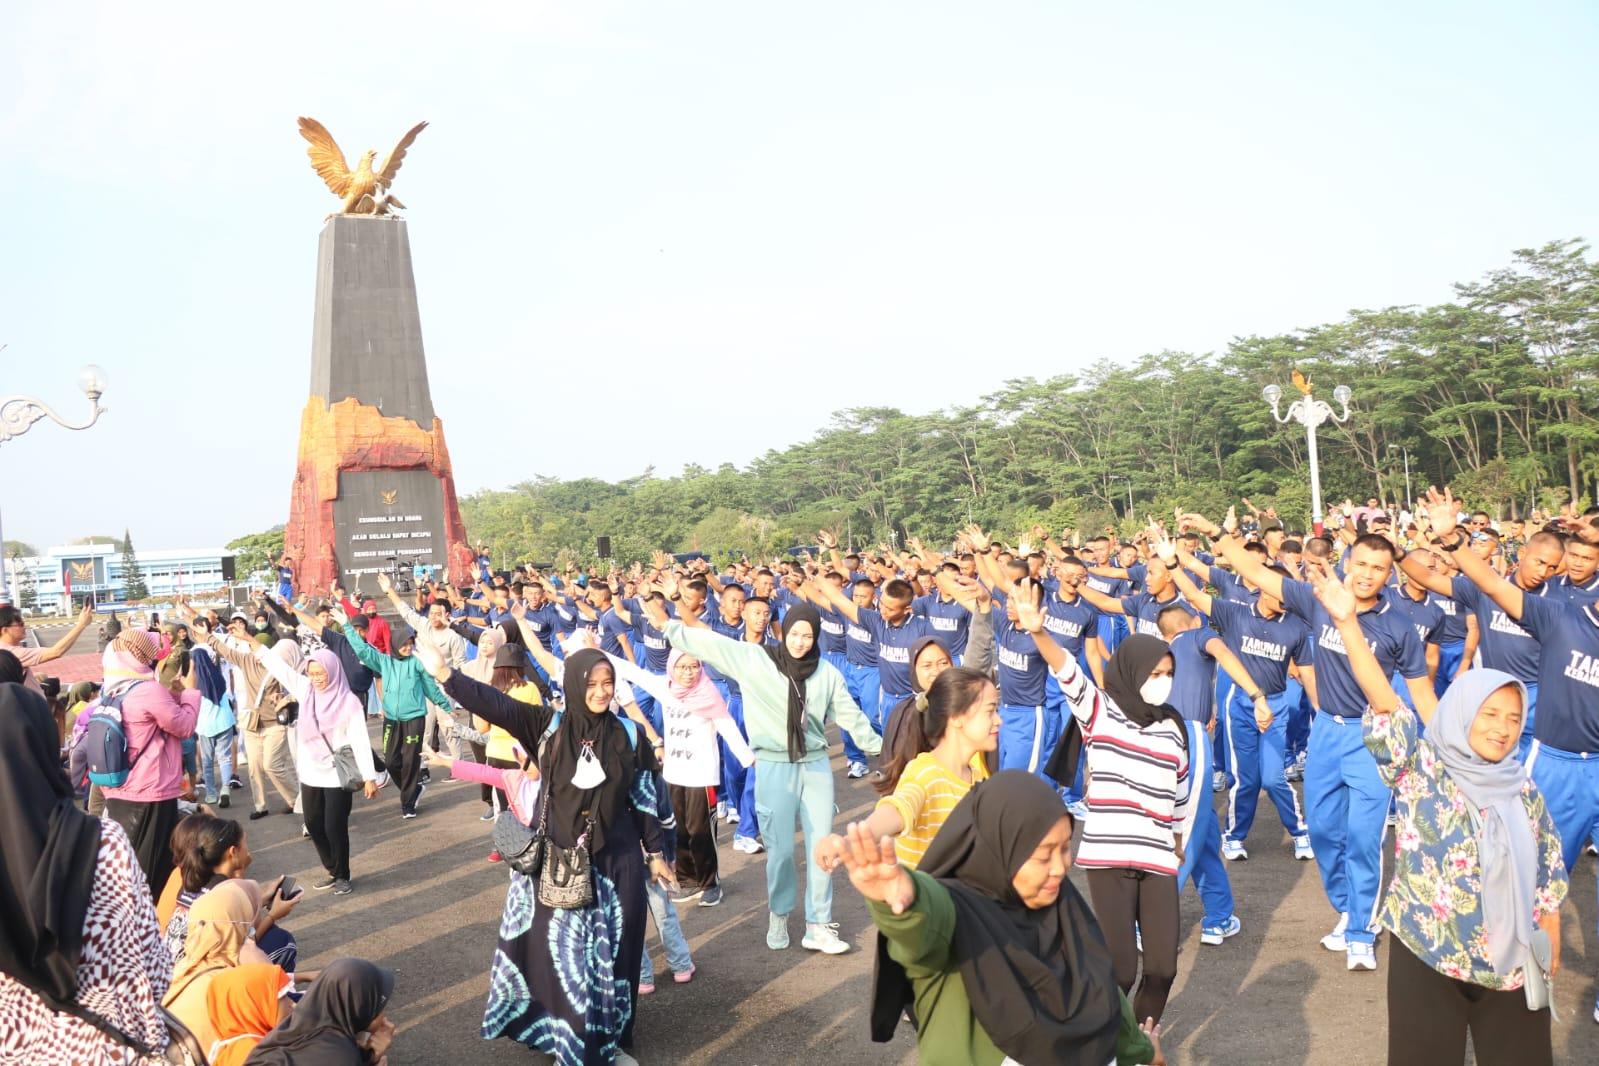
(156, 723)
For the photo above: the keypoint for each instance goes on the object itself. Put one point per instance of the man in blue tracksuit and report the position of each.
(895, 627)
(949, 619)
(1074, 623)
(1265, 638)
(1564, 757)
(1503, 644)
(1420, 605)
(1347, 803)
(861, 675)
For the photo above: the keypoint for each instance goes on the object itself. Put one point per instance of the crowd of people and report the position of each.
(1019, 708)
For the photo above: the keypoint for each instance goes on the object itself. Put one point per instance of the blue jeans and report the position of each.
(1347, 806)
(1258, 764)
(664, 911)
(1202, 850)
(789, 794)
(216, 762)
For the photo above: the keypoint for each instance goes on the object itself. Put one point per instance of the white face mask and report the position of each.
(1156, 690)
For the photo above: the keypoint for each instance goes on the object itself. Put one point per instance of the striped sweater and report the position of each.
(1138, 784)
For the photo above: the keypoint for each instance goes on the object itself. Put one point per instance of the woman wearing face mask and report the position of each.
(1473, 831)
(1139, 797)
(993, 946)
(789, 694)
(565, 980)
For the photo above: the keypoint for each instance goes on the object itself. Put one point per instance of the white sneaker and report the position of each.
(1232, 850)
(776, 931)
(824, 938)
(1302, 849)
(1361, 956)
(1215, 934)
(748, 845)
(1218, 782)
(732, 816)
(856, 771)
(1334, 941)
(721, 809)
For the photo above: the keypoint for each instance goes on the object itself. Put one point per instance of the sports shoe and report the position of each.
(488, 815)
(427, 775)
(1302, 849)
(1078, 810)
(1360, 956)
(688, 896)
(234, 782)
(326, 881)
(776, 931)
(223, 801)
(256, 816)
(712, 897)
(823, 937)
(342, 887)
(686, 976)
(748, 845)
(305, 831)
(1218, 781)
(856, 770)
(210, 801)
(495, 856)
(1593, 849)
(1232, 850)
(421, 788)
(1215, 934)
(1293, 772)
(732, 816)
(1334, 941)
(407, 815)
(646, 987)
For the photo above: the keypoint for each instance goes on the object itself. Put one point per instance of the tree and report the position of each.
(133, 586)
(27, 591)
(257, 551)
(20, 549)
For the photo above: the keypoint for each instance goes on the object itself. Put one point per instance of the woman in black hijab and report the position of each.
(565, 981)
(74, 907)
(339, 1022)
(999, 951)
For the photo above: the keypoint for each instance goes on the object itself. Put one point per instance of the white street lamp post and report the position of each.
(1409, 503)
(19, 413)
(1309, 413)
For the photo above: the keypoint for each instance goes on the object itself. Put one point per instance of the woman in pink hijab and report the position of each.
(691, 766)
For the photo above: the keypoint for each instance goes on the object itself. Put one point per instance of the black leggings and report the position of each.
(1122, 899)
(1429, 1015)
(327, 817)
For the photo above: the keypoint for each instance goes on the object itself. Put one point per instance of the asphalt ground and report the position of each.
(427, 903)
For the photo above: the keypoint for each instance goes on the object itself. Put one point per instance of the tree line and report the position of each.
(1493, 392)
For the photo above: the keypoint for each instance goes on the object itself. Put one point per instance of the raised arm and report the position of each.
(824, 594)
(64, 645)
(1379, 690)
(1171, 557)
(1031, 618)
(1441, 509)
(412, 618)
(552, 666)
(524, 721)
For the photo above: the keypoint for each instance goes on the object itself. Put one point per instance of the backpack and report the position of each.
(105, 741)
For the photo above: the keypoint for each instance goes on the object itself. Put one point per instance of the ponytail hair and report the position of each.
(954, 692)
(211, 841)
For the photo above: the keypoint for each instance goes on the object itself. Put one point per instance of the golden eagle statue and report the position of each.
(363, 190)
(1300, 383)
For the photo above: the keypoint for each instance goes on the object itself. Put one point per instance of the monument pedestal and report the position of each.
(373, 487)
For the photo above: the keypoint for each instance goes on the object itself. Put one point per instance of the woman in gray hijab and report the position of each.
(1474, 903)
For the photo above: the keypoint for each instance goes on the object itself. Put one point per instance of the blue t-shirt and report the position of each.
(1425, 615)
(894, 648)
(1568, 680)
(1070, 623)
(1502, 643)
(650, 645)
(1021, 665)
(1231, 588)
(544, 623)
(1587, 592)
(832, 636)
(1453, 630)
(565, 616)
(1143, 610)
(1388, 632)
(1108, 586)
(860, 643)
(949, 620)
(1264, 645)
(1193, 688)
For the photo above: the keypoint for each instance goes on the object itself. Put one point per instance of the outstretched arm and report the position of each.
(1441, 509)
(64, 645)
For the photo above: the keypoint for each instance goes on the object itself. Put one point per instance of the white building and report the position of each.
(96, 569)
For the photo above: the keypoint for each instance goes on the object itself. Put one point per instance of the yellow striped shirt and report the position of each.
(925, 795)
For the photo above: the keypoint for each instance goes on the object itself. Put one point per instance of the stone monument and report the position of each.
(373, 487)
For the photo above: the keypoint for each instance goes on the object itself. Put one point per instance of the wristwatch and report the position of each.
(1461, 540)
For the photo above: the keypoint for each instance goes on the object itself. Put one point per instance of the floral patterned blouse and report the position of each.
(1434, 901)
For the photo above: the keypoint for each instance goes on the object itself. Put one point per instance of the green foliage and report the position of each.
(256, 551)
(1494, 393)
(19, 549)
(133, 586)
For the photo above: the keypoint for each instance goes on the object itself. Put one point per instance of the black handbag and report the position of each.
(520, 847)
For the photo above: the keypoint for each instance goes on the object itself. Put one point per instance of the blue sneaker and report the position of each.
(1215, 934)
(1078, 809)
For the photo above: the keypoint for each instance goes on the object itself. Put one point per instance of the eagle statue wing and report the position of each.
(326, 158)
(1300, 383)
(391, 165)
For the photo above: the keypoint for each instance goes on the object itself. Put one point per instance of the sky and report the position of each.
(654, 234)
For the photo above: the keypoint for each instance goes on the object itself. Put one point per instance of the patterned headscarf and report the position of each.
(131, 656)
